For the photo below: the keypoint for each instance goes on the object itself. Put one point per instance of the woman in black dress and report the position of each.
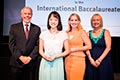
(98, 62)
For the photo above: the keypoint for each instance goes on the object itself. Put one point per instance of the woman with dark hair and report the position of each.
(51, 43)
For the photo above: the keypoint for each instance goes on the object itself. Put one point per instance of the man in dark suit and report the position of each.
(24, 48)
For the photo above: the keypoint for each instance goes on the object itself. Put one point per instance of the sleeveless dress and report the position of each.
(104, 71)
(75, 61)
(53, 70)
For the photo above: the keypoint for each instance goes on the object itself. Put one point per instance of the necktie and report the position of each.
(27, 31)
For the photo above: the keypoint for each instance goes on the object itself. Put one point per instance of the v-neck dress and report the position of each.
(104, 71)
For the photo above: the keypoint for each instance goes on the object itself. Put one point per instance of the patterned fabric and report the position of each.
(98, 38)
(53, 44)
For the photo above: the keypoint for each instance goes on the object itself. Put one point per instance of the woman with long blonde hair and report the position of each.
(78, 42)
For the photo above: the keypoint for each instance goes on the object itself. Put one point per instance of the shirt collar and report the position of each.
(25, 26)
(25, 23)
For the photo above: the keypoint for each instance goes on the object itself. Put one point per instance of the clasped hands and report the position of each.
(95, 63)
(49, 57)
(25, 59)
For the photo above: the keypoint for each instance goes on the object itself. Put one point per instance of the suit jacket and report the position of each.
(19, 45)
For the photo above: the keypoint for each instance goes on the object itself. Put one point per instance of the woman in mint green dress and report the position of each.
(51, 43)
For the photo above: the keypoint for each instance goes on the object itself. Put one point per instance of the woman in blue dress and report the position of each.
(51, 43)
(98, 62)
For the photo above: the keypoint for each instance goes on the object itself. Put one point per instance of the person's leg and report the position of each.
(15, 73)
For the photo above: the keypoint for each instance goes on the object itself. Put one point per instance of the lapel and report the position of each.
(31, 32)
(21, 29)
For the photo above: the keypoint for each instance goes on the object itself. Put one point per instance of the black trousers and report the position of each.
(24, 73)
(27, 72)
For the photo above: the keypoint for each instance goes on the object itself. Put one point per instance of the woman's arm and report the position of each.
(86, 41)
(41, 50)
(92, 61)
(108, 46)
(66, 51)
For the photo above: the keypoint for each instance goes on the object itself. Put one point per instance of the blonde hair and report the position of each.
(101, 20)
(79, 27)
